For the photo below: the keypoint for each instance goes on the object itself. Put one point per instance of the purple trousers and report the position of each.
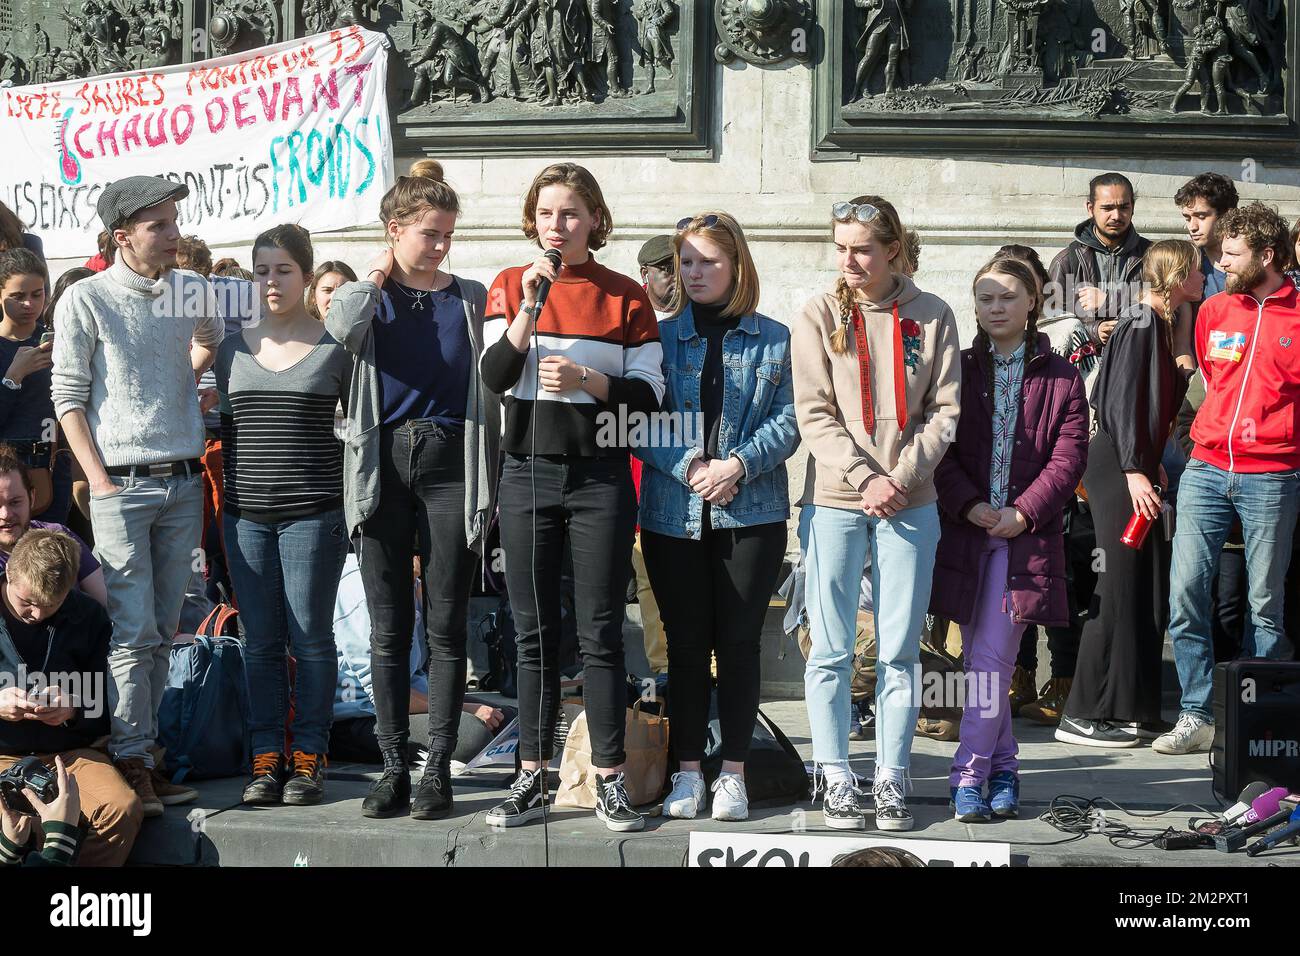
(989, 646)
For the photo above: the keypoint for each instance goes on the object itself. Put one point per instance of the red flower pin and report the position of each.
(909, 328)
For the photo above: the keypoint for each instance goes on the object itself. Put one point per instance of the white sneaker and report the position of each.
(687, 798)
(730, 800)
(1192, 734)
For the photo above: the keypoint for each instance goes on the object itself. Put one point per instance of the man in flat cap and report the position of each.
(656, 262)
(131, 343)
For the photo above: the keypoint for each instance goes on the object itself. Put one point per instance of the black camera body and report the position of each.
(28, 772)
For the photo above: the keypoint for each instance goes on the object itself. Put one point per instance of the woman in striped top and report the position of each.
(278, 382)
(569, 407)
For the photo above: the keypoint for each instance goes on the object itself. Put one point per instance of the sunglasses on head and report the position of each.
(704, 222)
(848, 211)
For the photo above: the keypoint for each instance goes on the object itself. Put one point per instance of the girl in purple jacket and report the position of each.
(1021, 448)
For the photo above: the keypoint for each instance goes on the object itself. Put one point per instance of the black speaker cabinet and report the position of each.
(1256, 726)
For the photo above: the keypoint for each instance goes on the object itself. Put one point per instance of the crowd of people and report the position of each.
(343, 448)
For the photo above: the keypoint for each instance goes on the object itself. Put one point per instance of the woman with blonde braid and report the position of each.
(1139, 390)
(876, 383)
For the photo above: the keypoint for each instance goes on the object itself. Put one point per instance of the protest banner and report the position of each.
(296, 132)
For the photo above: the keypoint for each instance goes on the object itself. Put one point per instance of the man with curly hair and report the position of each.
(1245, 460)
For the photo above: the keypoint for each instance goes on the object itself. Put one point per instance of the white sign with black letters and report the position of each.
(718, 848)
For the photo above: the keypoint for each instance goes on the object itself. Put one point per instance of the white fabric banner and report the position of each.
(292, 133)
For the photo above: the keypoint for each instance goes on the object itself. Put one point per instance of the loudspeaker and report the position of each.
(1256, 726)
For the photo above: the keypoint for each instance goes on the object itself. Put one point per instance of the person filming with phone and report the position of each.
(54, 707)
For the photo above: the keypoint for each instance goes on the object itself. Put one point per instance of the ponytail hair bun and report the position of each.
(421, 190)
(427, 169)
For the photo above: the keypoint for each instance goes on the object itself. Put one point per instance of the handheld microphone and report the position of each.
(1235, 838)
(1242, 806)
(1291, 829)
(1265, 805)
(544, 284)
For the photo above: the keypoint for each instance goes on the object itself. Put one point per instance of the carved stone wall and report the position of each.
(1068, 76)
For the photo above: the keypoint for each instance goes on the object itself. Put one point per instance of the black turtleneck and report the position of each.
(711, 327)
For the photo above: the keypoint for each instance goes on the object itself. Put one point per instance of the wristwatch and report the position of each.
(11, 384)
(583, 380)
(531, 309)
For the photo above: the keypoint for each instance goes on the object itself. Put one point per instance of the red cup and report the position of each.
(1139, 526)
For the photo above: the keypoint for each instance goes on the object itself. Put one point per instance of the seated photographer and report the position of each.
(60, 825)
(54, 688)
(16, 496)
(352, 735)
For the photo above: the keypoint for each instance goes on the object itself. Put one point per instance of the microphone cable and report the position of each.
(1083, 817)
(537, 601)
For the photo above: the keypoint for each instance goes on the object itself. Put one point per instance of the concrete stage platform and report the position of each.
(335, 834)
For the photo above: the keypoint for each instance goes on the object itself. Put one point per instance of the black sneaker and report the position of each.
(307, 785)
(613, 806)
(844, 806)
(891, 809)
(265, 789)
(526, 802)
(1094, 733)
(391, 793)
(432, 799)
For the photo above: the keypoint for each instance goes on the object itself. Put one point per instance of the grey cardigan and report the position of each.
(352, 310)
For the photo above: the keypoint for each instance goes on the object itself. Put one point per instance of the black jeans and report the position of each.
(713, 595)
(588, 504)
(421, 512)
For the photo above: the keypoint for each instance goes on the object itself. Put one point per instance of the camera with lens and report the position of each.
(28, 772)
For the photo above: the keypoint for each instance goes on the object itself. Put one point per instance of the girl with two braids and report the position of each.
(1003, 486)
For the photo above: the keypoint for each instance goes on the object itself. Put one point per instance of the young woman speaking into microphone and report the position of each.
(566, 479)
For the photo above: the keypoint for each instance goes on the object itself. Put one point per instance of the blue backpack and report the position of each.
(204, 719)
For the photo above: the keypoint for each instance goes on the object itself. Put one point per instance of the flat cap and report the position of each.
(656, 250)
(124, 198)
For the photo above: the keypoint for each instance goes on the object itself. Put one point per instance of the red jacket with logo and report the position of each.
(1249, 354)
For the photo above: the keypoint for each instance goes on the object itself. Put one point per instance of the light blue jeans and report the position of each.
(1208, 500)
(836, 542)
(147, 538)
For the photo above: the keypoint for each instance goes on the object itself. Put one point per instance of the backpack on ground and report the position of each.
(204, 720)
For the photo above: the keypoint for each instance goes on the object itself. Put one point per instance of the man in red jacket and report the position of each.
(1244, 464)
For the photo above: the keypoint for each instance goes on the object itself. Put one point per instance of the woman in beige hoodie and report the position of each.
(876, 385)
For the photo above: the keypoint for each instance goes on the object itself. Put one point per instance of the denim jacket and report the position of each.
(757, 425)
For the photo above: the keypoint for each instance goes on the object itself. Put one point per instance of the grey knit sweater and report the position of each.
(122, 354)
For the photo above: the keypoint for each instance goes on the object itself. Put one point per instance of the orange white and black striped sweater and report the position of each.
(596, 317)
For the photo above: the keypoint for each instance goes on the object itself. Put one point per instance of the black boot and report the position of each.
(433, 797)
(391, 794)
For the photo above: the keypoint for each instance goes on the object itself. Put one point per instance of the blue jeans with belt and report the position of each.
(146, 534)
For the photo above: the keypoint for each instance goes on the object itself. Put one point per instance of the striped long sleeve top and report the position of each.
(596, 317)
(280, 457)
